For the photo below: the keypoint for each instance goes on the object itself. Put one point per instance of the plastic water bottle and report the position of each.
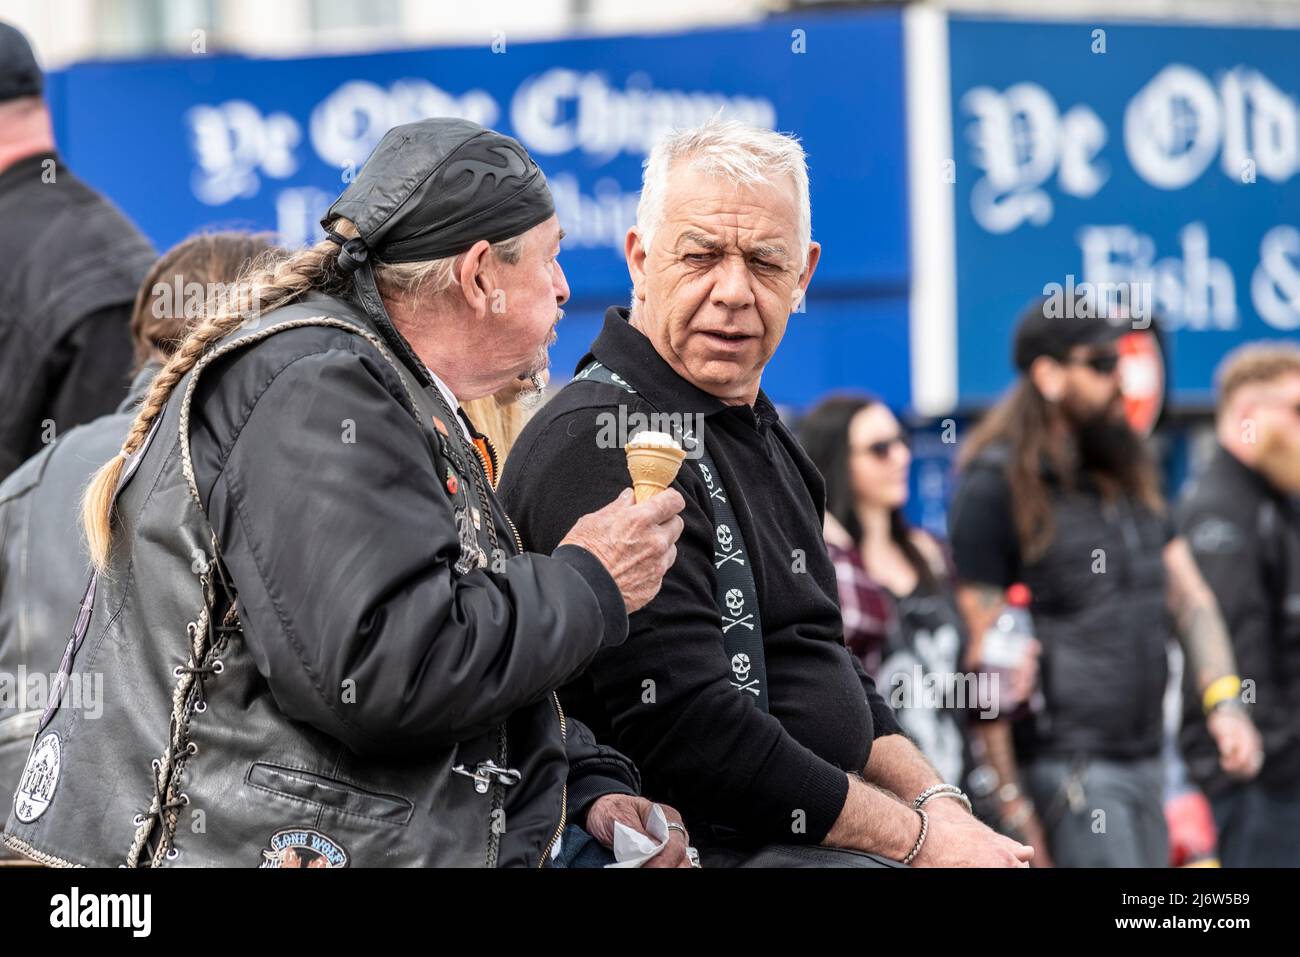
(1005, 646)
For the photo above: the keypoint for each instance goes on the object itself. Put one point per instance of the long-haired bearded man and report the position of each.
(1058, 492)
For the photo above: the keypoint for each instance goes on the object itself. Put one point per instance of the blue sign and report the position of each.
(1159, 165)
(210, 141)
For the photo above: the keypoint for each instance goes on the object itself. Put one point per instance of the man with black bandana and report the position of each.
(314, 622)
(1058, 492)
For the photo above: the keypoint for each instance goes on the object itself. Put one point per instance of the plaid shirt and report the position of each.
(876, 633)
(868, 611)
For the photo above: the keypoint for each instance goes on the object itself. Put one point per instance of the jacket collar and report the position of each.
(1232, 469)
(629, 353)
(20, 171)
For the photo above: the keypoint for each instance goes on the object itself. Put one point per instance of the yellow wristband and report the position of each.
(1220, 690)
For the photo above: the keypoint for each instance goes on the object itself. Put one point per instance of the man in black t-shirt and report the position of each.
(1057, 492)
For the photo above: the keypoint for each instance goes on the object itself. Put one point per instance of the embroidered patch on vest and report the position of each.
(472, 555)
(40, 776)
(301, 847)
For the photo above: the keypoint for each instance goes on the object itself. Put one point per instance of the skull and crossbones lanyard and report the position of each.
(734, 588)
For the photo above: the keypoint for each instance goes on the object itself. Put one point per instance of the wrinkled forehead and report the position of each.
(760, 212)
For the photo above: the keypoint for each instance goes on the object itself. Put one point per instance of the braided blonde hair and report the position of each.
(273, 279)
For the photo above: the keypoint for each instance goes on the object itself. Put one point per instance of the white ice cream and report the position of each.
(653, 440)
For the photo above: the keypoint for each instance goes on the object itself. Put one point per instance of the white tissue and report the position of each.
(632, 848)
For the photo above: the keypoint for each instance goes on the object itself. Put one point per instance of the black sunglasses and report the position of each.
(882, 448)
(1103, 363)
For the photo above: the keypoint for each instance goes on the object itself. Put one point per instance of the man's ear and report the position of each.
(1048, 376)
(814, 256)
(475, 278)
(635, 252)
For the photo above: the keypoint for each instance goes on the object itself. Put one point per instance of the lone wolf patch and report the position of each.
(303, 848)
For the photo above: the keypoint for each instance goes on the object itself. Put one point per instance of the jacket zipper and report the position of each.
(520, 542)
(564, 735)
(564, 789)
(509, 521)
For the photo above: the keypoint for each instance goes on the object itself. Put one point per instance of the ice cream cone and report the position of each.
(653, 459)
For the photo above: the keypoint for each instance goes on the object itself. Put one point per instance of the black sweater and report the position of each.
(699, 743)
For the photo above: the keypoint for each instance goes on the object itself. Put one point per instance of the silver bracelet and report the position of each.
(942, 790)
(925, 827)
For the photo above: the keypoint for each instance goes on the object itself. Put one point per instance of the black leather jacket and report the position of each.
(326, 723)
(1245, 535)
(72, 265)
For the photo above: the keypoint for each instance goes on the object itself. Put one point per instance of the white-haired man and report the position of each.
(734, 690)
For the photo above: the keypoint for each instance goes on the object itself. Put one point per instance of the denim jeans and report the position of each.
(1258, 826)
(1117, 817)
(580, 849)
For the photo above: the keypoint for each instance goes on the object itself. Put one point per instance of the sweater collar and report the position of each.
(628, 352)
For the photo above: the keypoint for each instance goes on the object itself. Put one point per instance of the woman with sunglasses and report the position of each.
(899, 615)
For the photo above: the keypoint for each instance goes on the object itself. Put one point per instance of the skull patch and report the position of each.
(724, 537)
(740, 665)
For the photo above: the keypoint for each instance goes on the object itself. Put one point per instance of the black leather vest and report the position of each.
(191, 762)
(1099, 611)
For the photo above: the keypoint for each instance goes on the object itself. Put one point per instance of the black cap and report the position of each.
(20, 74)
(435, 187)
(1053, 326)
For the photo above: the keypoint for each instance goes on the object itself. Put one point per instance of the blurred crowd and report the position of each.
(1058, 509)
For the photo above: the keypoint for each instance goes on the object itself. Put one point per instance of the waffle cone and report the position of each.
(652, 469)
